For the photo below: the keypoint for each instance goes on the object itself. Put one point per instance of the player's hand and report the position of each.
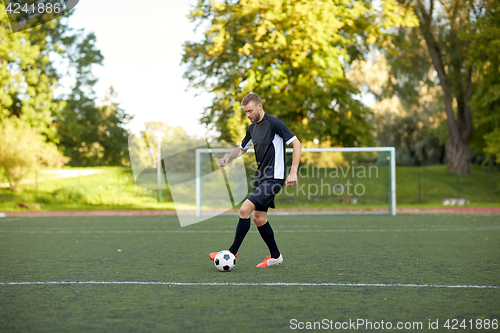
(224, 161)
(291, 179)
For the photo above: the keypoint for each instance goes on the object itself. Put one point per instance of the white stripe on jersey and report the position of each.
(279, 157)
(248, 145)
(291, 140)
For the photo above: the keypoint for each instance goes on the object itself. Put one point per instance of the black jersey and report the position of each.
(268, 137)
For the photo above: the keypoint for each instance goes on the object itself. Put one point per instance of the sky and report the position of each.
(141, 42)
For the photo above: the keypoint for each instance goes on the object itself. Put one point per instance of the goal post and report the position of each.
(358, 180)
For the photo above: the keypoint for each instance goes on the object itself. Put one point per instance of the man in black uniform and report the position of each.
(268, 135)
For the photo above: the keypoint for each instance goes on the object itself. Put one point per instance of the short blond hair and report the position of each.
(251, 97)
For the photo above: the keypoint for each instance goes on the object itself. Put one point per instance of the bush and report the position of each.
(23, 150)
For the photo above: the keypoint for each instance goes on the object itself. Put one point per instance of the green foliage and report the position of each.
(27, 76)
(92, 135)
(89, 134)
(174, 142)
(447, 21)
(410, 118)
(418, 131)
(23, 150)
(415, 142)
(238, 123)
(175, 138)
(485, 56)
(466, 35)
(440, 52)
(409, 68)
(293, 54)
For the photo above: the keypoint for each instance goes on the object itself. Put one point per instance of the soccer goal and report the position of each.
(330, 181)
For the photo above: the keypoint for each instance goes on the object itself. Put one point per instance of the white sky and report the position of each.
(141, 42)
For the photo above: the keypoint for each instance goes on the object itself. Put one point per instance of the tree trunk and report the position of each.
(491, 163)
(458, 143)
(457, 154)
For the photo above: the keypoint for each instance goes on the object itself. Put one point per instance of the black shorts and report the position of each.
(264, 192)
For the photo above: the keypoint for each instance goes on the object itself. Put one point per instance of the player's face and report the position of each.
(253, 111)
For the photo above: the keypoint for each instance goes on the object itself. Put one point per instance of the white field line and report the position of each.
(32, 231)
(232, 226)
(272, 284)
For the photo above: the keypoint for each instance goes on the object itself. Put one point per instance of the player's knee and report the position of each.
(245, 212)
(246, 209)
(259, 221)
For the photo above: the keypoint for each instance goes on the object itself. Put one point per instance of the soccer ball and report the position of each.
(224, 261)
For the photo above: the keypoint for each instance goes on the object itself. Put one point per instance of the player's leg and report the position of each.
(242, 228)
(243, 225)
(265, 200)
(266, 232)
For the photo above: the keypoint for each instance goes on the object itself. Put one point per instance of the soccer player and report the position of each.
(268, 135)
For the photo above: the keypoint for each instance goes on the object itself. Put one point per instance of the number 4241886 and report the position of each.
(477, 324)
(15, 8)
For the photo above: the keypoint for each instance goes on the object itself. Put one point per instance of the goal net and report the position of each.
(330, 181)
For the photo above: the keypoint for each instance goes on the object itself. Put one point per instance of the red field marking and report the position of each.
(454, 210)
(131, 212)
(163, 212)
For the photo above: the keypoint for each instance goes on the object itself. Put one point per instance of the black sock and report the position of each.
(268, 236)
(241, 231)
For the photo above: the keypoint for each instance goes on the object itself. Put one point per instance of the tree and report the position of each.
(27, 81)
(23, 149)
(175, 142)
(292, 53)
(407, 113)
(27, 77)
(177, 149)
(485, 101)
(442, 26)
(92, 135)
(416, 134)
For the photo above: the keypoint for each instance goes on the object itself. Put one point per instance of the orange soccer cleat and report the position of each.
(271, 261)
(213, 254)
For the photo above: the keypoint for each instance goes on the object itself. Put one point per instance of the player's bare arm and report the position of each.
(297, 151)
(237, 152)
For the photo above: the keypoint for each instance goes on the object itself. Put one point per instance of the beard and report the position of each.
(256, 118)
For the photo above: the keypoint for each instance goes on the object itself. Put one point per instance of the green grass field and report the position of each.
(371, 263)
